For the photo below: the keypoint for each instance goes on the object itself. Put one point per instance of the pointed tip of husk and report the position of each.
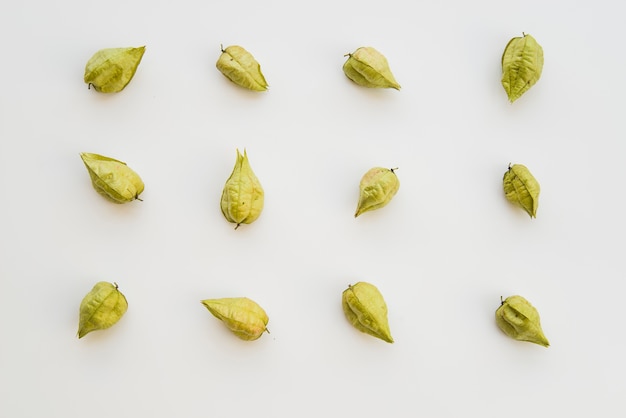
(541, 339)
(360, 211)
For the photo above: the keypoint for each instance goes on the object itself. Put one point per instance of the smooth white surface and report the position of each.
(442, 252)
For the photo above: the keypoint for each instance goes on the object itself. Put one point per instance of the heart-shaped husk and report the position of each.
(101, 308)
(376, 189)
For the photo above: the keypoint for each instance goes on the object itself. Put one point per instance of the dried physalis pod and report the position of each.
(521, 188)
(243, 316)
(111, 69)
(243, 196)
(369, 68)
(518, 319)
(240, 67)
(366, 310)
(113, 179)
(101, 308)
(522, 63)
(378, 186)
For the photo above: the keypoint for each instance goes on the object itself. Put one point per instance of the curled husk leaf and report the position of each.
(369, 68)
(521, 188)
(243, 316)
(518, 319)
(113, 179)
(522, 63)
(101, 308)
(378, 186)
(366, 310)
(110, 70)
(243, 196)
(240, 67)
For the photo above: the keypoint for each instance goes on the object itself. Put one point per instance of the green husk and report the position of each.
(101, 308)
(522, 189)
(366, 310)
(518, 319)
(110, 70)
(522, 64)
(240, 67)
(369, 68)
(113, 179)
(376, 189)
(242, 197)
(243, 316)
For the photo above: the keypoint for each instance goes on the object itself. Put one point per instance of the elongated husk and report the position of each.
(366, 310)
(522, 189)
(243, 197)
(243, 316)
(522, 64)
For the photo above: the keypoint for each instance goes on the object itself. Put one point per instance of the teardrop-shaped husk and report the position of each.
(518, 319)
(101, 308)
(369, 68)
(243, 197)
(366, 310)
(243, 316)
(110, 70)
(112, 178)
(239, 66)
(522, 64)
(376, 189)
(522, 189)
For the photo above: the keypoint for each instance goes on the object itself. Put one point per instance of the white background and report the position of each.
(442, 252)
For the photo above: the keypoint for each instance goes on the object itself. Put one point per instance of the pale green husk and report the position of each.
(369, 68)
(243, 197)
(366, 310)
(243, 316)
(110, 70)
(101, 308)
(376, 189)
(239, 66)
(522, 63)
(522, 189)
(518, 319)
(113, 179)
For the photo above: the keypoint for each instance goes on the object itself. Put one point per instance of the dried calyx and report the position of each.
(369, 68)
